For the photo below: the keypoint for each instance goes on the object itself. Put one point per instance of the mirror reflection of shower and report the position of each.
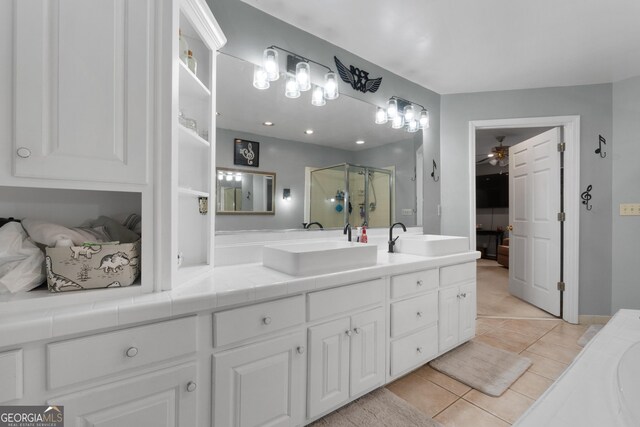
(359, 195)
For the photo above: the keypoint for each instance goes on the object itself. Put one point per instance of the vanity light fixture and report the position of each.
(220, 176)
(360, 142)
(228, 177)
(403, 114)
(267, 123)
(308, 132)
(298, 72)
(238, 177)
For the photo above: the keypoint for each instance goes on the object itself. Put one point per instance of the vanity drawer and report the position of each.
(413, 283)
(458, 274)
(414, 350)
(345, 299)
(11, 371)
(414, 313)
(99, 355)
(255, 320)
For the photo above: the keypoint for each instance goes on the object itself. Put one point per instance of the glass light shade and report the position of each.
(413, 126)
(392, 108)
(397, 122)
(260, 80)
(317, 97)
(220, 177)
(493, 162)
(381, 116)
(270, 64)
(303, 76)
(409, 113)
(291, 89)
(228, 177)
(424, 119)
(502, 162)
(331, 86)
(238, 178)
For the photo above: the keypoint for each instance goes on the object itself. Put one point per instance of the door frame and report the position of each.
(571, 137)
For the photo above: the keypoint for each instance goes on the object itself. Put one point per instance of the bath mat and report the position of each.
(487, 369)
(380, 408)
(588, 334)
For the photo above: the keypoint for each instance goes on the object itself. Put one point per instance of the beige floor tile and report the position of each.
(570, 329)
(422, 394)
(531, 385)
(464, 414)
(508, 407)
(491, 339)
(552, 351)
(562, 339)
(544, 366)
(444, 381)
(536, 328)
(489, 322)
(514, 338)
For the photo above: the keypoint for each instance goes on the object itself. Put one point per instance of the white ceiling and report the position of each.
(458, 46)
(337, 124)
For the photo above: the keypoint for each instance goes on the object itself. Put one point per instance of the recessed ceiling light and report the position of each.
(308, 131)
(360, 142)
(267, 123)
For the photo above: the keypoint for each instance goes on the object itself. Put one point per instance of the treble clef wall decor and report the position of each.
(600, 150)
(433, 171)
(586, 198)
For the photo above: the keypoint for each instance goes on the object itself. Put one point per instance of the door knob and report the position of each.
(510, 227)
(23, 152)
(191, 386)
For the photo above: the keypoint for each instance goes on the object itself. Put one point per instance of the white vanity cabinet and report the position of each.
(346, 355)
(83, 98)
(11, 375)
(457, 305)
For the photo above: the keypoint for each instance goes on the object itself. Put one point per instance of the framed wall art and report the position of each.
(246, 153)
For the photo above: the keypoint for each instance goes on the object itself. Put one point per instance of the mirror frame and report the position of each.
(273, 192)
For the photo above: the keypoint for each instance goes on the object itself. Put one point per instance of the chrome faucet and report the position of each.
(392, 241)
(312, 223)
(347, 231)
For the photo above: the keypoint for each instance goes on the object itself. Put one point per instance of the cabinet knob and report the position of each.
(132, 352)
(419, 282)
(266, 320)
(191, 386)
(458, 296)
(300, 349)
(419, 349)
(419, 314)
(23, 152)
(463, 295)
(348, 332)
(356, 330)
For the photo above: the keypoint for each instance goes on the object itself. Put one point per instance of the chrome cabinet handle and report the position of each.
(191, 386)
(132, 352)
(464, 295)
(348, 332)
(419, 282)
(300, 349)
(419, 314)
(23, 152)
(419, 349)
(266, 320)
(356, 330)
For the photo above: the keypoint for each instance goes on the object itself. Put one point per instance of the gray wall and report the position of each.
(625, 152)
(249, 31)
(593, 103)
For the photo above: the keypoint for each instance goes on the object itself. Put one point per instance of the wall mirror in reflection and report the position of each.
(245, 192)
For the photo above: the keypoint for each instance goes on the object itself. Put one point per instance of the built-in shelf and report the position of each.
(188, 136)
(190, 84)
(192, 192)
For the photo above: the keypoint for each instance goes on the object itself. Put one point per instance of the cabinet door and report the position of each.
(83, 94)
(367, 351)
(165, 398)
(260, 384)
(328, 366)
(448, 322)
(467, 311)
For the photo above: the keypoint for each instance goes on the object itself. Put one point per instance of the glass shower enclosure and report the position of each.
(359, 195)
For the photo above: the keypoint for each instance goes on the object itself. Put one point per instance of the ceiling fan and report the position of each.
(499, 155)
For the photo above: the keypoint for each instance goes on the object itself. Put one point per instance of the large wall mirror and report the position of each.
(245, 192)
(332, 179)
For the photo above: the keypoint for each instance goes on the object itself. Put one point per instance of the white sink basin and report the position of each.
(309, 258)
(431, 245)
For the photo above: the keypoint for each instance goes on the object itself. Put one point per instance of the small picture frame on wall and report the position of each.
(246, 153)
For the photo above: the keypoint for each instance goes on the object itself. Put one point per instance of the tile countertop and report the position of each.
(226, 286)
(587, 392)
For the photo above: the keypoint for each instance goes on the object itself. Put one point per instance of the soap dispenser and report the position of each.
(364, 238)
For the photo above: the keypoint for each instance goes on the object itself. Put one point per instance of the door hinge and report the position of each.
(561, 286)
(562, 147)
(562, 216)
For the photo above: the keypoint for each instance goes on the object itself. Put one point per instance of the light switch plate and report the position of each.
(629, 209)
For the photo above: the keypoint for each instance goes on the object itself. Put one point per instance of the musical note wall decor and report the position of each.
(586, 198)
(433, 171)
(600, 150)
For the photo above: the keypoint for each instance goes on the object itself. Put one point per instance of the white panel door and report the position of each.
(261, 384)
(467, 311)
(160, 399)
(367, 351)
(83, 91)
(534, 203)
(448, 319)
(328, 366)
